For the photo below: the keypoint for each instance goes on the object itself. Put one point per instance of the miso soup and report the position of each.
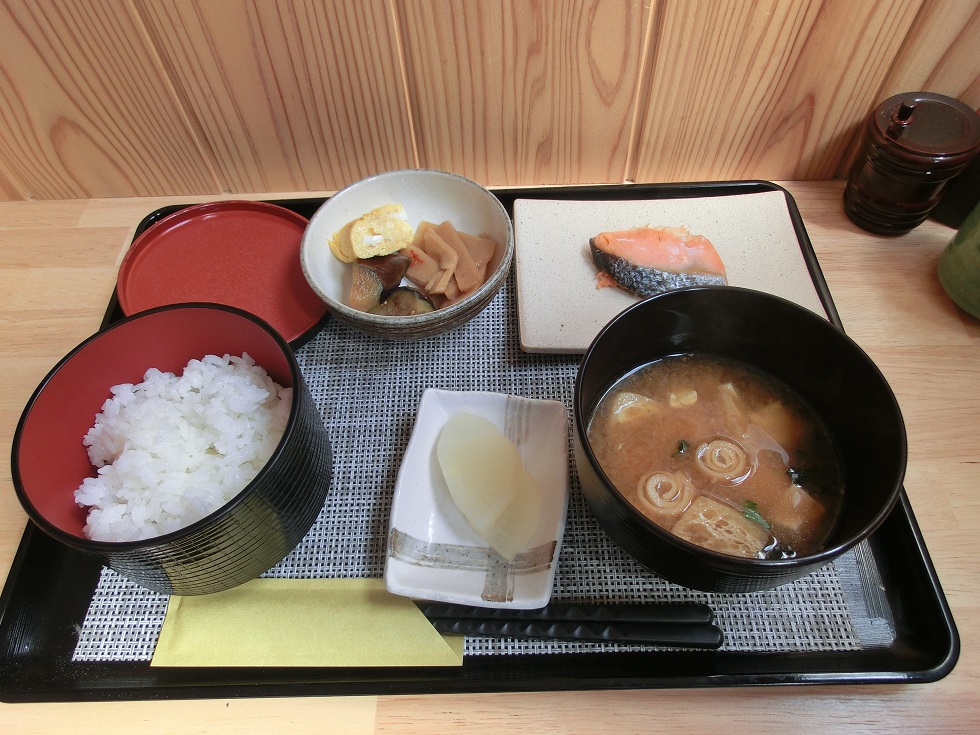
(720, 455)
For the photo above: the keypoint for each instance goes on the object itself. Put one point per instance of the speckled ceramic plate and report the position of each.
(561, 310)
(433, 553)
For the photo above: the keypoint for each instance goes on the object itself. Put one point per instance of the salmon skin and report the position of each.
(647, 261)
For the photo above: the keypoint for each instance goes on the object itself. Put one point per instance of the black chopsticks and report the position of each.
(688, 625)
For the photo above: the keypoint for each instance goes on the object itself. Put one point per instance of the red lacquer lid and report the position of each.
(243, 254)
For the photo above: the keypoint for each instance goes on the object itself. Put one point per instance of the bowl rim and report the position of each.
(446, 313)
(735, 563)
(110, 547)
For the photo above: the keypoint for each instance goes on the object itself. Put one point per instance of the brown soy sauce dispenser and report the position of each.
(913, 144)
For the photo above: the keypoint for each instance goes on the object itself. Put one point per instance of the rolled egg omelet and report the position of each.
(381, 231)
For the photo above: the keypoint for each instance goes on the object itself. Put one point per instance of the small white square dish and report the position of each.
(561, 310)
(433, 553)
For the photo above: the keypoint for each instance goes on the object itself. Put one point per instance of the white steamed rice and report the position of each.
(171, 450)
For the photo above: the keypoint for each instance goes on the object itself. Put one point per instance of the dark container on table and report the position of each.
(913, 145)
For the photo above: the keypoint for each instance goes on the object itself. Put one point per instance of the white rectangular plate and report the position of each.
(433, 553)
(561, 310)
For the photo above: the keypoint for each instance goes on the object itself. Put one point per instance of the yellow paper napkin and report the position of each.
(302, 622)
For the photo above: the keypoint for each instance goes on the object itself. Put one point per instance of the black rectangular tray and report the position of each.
(50, 587)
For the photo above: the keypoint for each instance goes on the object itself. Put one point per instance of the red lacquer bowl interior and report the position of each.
(49, 459)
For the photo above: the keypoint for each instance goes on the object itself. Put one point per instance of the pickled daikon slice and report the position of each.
(489, 483)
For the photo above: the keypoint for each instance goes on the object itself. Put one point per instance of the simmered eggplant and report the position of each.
(373, 278)
(391, 269)
(404, 301)
(365, 288)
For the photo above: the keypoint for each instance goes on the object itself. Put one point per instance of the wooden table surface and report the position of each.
(58, 263)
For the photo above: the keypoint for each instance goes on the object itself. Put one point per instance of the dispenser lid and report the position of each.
(924, 124)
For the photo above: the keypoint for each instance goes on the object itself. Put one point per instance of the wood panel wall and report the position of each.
(111, 98)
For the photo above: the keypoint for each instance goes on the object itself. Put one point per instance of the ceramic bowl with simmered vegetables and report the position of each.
(408, 254)
(733, 441)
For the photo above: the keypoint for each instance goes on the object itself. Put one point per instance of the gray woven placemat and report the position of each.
(368, 390)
